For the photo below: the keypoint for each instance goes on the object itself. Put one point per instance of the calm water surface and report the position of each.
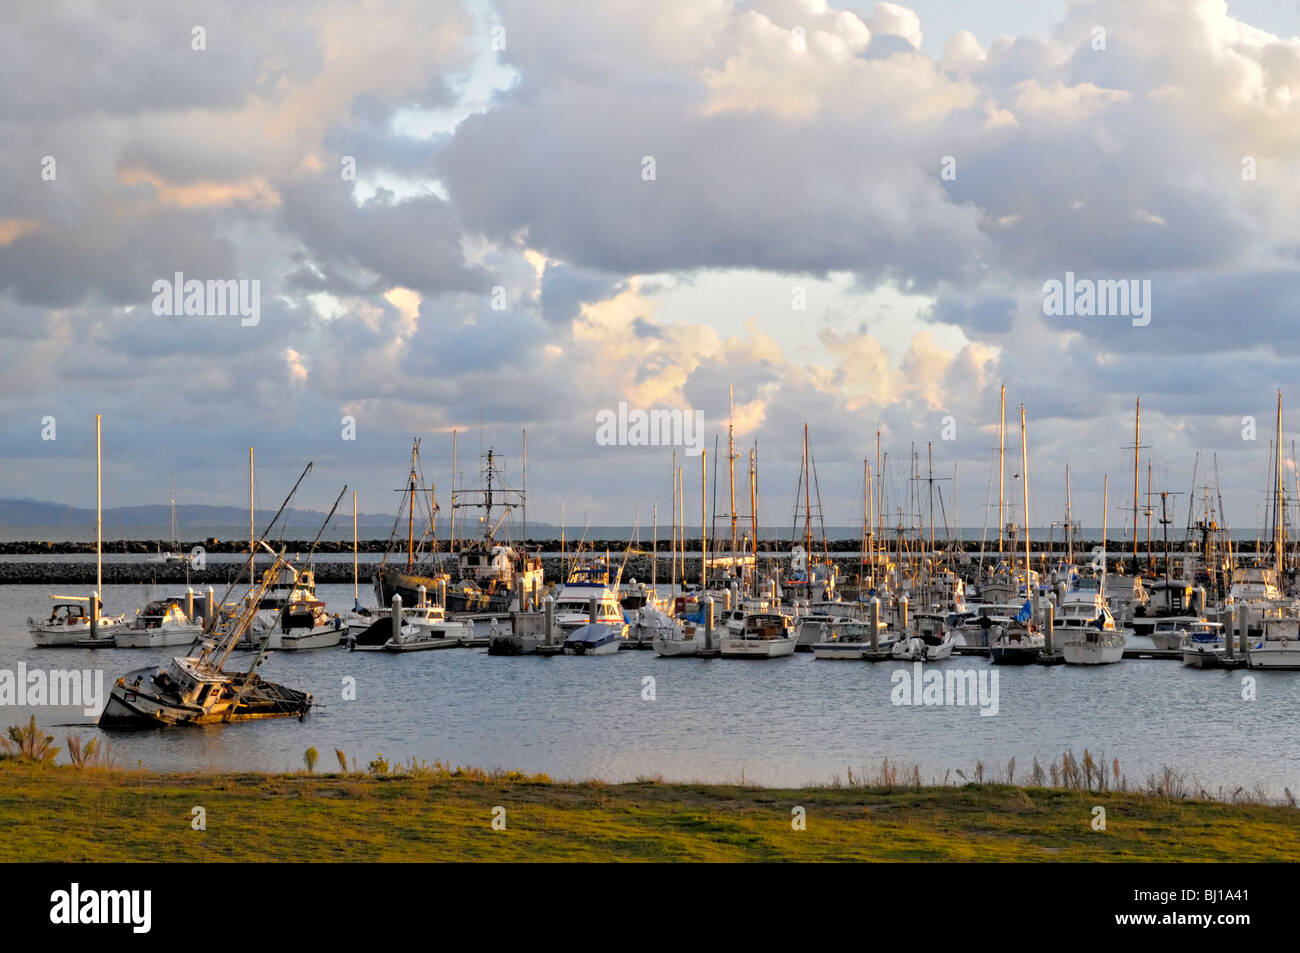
(780, 722)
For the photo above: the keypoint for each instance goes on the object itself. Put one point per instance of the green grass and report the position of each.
(63, 814)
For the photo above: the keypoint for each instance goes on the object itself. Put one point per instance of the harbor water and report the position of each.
(785, 722)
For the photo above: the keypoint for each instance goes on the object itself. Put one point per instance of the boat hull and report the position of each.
(758, 648)
(676, 648)
(1285, 657)
(1092, 653)
(841, 650)
(158, 638)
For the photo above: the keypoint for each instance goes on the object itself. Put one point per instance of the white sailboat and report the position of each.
(1091, 637)
(71, 624)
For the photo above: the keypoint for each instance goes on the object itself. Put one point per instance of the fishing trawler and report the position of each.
(486, 570)
(196, 689)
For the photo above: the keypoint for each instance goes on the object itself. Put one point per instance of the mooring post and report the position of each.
(423, 596)
(591, 609)
(902, 615)
(1232, 631)
(397, 617)
(94, 616)
(549, 603)
(1049, 627)
(211, 612)
(442, 593)
(189, 604)
(874, 614)
(708, 623)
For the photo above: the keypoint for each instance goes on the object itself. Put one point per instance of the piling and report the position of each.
(397, 617)
(591, 609)
(1229, 650)
(549, 616)
(1049, 628)
(423, 596)
(708, 623)
(874, 614)
(442, 593)
(902, 615)
(211, 607)
(94, 616)
(189, 604)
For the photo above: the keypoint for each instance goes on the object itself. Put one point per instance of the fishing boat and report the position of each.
(594, 638)
(931, 640)
(162, 623)
(197, 690)
(1204, 645)
(71, 624)
(765, 635)
(1277, 646)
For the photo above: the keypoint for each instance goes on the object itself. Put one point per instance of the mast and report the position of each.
(1069, 521)
(99, 517)
(866, 517)
(252, 535)
(356, 591)
(451, 544)
(929, 449)
(681, 517)
(1277, 494)
(523, 493)
(1148, 513)
(654, 552)
(1024, 473)
(1002, 465)
(753, 504)
(410, 515)
(674, 536)
(704, 521)
(1105, 512)
(807, 507)
(1137, 433)
(176, 543)
(731, 462)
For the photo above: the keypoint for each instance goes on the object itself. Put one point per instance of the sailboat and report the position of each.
(1019, 640)
(1091, 637)
(174, 555)
(71, 623)
(1278, 644)
(196, 689)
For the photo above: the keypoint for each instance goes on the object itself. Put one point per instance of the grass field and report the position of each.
(63, 814)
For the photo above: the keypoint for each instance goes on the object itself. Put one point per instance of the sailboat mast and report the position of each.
(523, 496)
(1002, 463)
(1069, 521)
(1024, 478)
(929, 447)
(704, 521)
(252, 536)
(731, 461)
(410, 515)
(176, 543)
(866, 516)
(1137, 433)
(1105, 512)
(451, 545)
(674, 535)
(356, 590)
(1277, 493)
(1148, 510)
(807, 506)
(753, 504)
(99, 517)
(654, 552)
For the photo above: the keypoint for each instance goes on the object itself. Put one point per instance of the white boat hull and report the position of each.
(77, 636)
(297, 640)
(158, 638)
(841, 650)
(1092, 653)
(676, 648)
(1280, 655)
(758, 648)
(1204, 658)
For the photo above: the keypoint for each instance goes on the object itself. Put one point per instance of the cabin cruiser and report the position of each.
(1167, 597)
(69, 626)
(765, 635)
(812, 624)
(573, 603)
(301, 624)
(594, 638)
(975, 629)
(931, 640)
(1167, 633)
(1085, 629)
(163, 622)
(1204, 645)
(1277, 646)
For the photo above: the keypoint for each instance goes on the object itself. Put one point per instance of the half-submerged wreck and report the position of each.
(196, 689)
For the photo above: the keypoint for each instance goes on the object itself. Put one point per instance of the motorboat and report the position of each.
(765, 635)
(594, 638)
(1204, 645)
(162, 623)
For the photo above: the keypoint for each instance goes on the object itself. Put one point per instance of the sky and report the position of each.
(492, 217)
